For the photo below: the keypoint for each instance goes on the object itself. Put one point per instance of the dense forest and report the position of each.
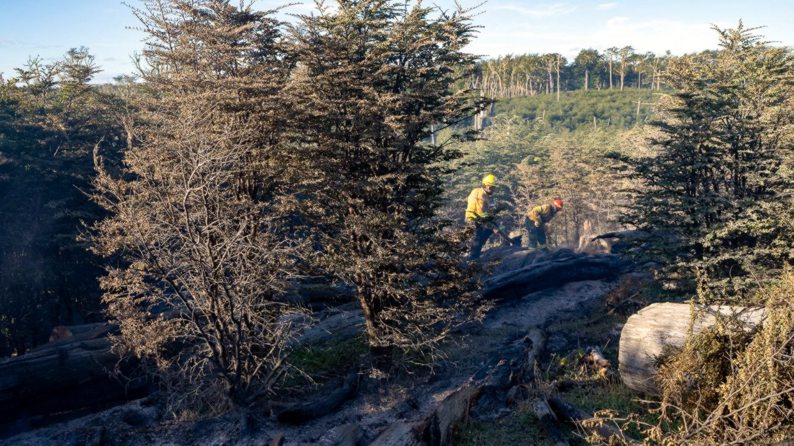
(532, 74)
(187, 204)
(51, 119)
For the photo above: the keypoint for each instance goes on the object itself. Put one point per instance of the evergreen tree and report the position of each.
(585, 65)
(50, 120)
(717, 195)
(374, 75)
(197, 231)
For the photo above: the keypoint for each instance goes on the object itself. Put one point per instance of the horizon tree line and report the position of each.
(549, 73)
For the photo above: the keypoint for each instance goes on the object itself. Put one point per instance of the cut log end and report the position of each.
(655, 328)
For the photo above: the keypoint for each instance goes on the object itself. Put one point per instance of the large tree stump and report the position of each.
(647, 333)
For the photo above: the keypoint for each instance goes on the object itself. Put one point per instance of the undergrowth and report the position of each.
(519, 427)
(322, 361)
(734, 383)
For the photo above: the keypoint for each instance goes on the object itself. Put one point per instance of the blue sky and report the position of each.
(50, 27)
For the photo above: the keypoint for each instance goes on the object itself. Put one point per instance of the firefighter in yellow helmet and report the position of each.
(536, 220)
(477, 214)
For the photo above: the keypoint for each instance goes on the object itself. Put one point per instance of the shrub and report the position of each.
(729, 385)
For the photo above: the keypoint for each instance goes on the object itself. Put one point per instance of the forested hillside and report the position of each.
(262, 233)
(534, 74)
(541, 148)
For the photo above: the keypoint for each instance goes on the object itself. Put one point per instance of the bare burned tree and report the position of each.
(197, 231)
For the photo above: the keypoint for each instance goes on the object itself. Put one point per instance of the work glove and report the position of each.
(537, 225)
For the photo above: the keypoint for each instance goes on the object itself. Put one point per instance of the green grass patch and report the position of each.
(580, 108)
(609, 395)
(332, 359)
(616, 398)
(515, 429)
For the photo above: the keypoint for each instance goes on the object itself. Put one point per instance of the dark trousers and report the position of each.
(481, 235)
(536, 236)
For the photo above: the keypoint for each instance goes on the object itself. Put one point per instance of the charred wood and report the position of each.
(322, 404)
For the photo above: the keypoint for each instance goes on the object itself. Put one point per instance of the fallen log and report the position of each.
(316, 291)
(400, 433)
(324, 404)
(548, 422)
(656, 327)
(620, 242)
(61, 332)
(509, 258)
(454, 409)
(345, 435)
(631, 235)
(563, 267)
(338, 326)
(68, 374)
(492, 384)
(73, 371)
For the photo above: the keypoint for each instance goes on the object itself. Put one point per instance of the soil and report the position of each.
(379, 403)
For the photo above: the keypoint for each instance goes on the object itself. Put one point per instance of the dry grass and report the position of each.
(731, 386)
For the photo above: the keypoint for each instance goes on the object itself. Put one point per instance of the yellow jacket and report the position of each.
(477, 206)
(541, 214)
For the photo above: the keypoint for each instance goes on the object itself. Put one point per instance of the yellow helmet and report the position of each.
(489, 180)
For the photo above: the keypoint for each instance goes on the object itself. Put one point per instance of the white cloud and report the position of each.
(656, 35)
(605, 6)
(548, 10)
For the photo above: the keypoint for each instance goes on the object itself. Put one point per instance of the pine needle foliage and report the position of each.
(373, 77)
(717, 194)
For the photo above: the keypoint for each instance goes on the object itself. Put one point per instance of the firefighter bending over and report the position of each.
(537, 217)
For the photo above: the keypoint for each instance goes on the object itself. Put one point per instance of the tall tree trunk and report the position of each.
(550, 87)
(610, 74)
(586, 79)
(558, 78)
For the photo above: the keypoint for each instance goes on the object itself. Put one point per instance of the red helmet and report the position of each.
(557, 203)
